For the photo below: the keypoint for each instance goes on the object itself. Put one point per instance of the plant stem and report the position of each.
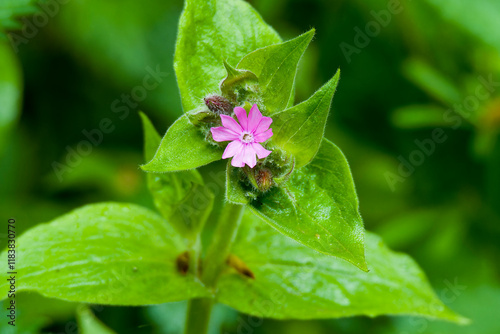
(222, 240)
(194, 255)
(198, 315)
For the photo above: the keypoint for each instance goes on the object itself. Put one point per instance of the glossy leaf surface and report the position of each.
(317, 206)
(295, 282)
(183, 147)
(210, 32)
(108, 253)
(299, 130)
(276, 66)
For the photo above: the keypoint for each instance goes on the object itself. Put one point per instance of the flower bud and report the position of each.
(264, 179)
(218, 104)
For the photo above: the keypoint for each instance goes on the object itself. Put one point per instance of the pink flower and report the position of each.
(245, 138)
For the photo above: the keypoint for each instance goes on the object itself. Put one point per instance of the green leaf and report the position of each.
(295, 282)
(183, 147)
(10, 10)
(276, 66)
(88, 322)
(234, 192)
(10, 91)
(211, 31)
(238, 85)
(181, 197)
(317, 206)
(152, 138)
(299, 130)
(107, 253)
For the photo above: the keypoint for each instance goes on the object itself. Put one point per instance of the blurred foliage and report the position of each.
(11, 10)
(10, 91)
(427, 60)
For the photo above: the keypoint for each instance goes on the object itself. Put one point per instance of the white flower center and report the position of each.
(247, 137)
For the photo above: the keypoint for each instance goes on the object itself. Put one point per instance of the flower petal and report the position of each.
(261, 151)
(249, 157)
(254, 118)
(221, 133)
(237, 160)
(264, 124)
(263, 136)
(245, 156)
(242, 117)
(231, 124)
(232, 149)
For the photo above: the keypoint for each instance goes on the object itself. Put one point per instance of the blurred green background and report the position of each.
(424, 69)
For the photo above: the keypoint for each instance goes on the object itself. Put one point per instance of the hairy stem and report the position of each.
(198, 315)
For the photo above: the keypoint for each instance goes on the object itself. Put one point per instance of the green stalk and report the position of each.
(198, 316)
(223, 239)
(199, 310)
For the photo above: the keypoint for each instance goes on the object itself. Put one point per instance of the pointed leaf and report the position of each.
(238, 85)
(183, 147)
(294, 282)
(181, 197)
(152, 138)
(299, 130)
(107, 253)
(276, 66)
(210, 32)
(317, 206)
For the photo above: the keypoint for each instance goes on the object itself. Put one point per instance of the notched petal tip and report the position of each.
(250, 156)
(237, 163)
(260, 151)
(264, 125)
(263, 136)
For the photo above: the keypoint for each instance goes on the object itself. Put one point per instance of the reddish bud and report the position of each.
(218, 104)
(264, 179)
